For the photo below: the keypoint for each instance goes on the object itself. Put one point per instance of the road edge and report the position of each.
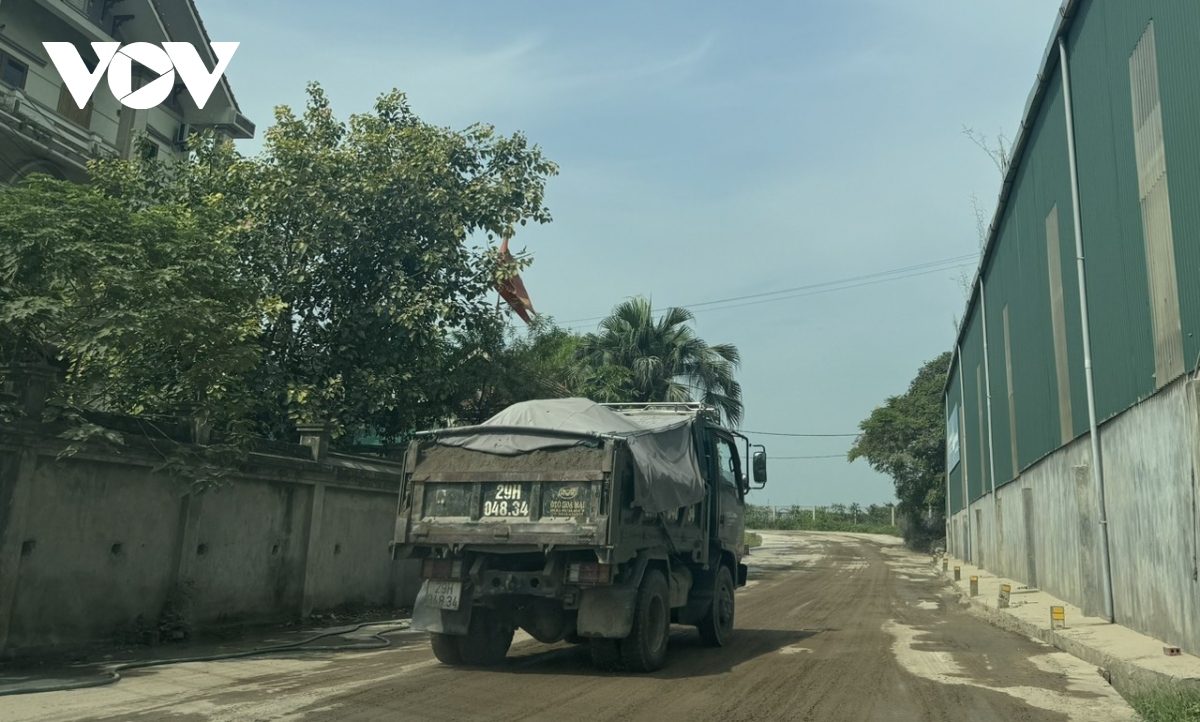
(1127, 678)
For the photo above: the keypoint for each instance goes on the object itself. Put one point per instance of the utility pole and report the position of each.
(893, 515)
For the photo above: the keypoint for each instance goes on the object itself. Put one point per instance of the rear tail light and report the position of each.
(589, 573)
(441, 569)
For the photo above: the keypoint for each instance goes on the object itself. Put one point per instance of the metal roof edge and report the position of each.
(1066, 14)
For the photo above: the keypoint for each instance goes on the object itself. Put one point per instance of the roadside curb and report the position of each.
(1125, 676)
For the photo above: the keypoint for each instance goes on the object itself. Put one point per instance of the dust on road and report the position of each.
(830, 627)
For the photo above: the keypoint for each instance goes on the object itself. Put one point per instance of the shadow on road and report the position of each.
(686, 655)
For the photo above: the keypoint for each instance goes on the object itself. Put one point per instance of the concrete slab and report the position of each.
(1128, 659)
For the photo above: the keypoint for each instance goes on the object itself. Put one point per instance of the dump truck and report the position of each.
(598, 524)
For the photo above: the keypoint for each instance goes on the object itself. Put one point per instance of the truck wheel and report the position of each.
(488, 638)
(645, 649)
(445, 648)
(606, 653)
(717, 626)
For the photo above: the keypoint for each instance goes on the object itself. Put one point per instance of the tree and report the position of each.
(357, 237)
(905, 439)
(140, 306)
(664, 359)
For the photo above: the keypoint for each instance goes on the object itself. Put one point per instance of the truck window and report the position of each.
(728, 469)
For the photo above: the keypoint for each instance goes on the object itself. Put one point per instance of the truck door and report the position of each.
(730, 522)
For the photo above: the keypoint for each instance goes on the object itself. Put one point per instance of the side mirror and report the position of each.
(759, 464)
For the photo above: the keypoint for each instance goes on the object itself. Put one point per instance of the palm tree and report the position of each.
(665, 359)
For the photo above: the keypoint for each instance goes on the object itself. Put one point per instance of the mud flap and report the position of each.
(606, 612)
(428, 618)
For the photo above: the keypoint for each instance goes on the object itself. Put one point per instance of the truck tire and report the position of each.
(645, 649)
(445, 648)
(717, 626)
(606, 653)
(488, 637)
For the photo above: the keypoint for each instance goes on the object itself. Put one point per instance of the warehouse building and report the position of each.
(1072, 407)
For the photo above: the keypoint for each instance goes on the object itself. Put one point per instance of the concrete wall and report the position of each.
(89, 543)
(1043, 528)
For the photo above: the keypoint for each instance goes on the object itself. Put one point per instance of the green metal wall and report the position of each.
(954, 476)
(1118, 292)
(1018, 277)
(1101, 39)
(975, 428)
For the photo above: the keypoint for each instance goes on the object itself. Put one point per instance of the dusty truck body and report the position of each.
(597, 524)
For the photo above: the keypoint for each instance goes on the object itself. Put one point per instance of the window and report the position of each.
(69, 110)
(12, 71)
(728, 469)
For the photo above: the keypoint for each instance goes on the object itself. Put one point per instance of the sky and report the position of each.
(712, 151)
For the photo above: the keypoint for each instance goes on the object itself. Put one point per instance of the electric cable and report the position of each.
(777, 433)
(919, 269)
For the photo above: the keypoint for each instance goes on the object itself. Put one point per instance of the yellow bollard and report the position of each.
(957, 574)
(1005, 590)
(974, 586)
(945, 564)
(1058, 618)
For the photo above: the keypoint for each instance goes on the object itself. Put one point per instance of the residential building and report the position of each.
(42, 129)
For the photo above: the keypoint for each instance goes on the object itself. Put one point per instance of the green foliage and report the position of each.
(838, 517)
(661, 360)
(905, 439)
(1175, 703)
(139, 306)
(355, 235)
(340, 276)
(505, 365)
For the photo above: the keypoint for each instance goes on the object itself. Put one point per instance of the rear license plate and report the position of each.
(500, 500)
(444, 595)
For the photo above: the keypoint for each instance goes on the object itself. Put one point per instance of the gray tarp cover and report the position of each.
(667, 473)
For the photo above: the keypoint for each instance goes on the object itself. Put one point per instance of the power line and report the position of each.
(944, 264)
(878, 274)
(776, 433)
(825, 456)
(839, 288)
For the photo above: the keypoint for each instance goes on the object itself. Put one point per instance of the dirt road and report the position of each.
(831, 627)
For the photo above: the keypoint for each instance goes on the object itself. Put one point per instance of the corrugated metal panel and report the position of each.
(974, 442)
(1012, 416)
(1101, 41)
(1049, 409)
(998, 287)
(1058, 319)
(954, 493)
(1154, 197)
(1046, 185)
(1177, 26)
(1018, 279)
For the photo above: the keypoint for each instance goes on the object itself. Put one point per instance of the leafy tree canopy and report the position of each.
(663, 359)
(905, 439)
(331, 278)
(140, 306)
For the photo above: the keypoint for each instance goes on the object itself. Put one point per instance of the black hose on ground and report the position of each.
(114, 671)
